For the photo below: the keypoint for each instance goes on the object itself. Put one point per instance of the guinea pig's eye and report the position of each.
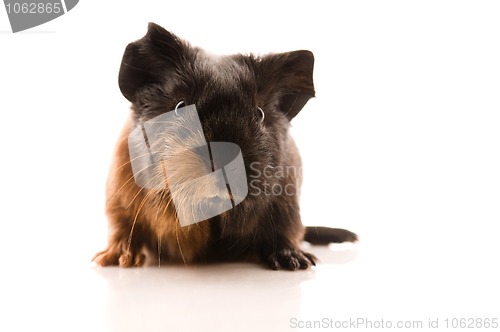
(262, 115)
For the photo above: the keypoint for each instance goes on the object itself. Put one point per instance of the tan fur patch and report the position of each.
(139, 212)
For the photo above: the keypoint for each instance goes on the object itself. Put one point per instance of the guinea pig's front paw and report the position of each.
(117, 255)
(290, 259)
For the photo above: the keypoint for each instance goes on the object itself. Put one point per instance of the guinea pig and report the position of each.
(246, 100)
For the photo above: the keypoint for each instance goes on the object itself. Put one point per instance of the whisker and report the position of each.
(131, 160)
(140, 190)
(121, 188)
(201, 228)
(133, 199)
(135, 220)
(158, 229)
(179, 243)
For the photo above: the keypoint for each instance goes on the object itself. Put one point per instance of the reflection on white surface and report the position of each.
(204, 298)
(243, 297)
(349, 283)
(222, 297)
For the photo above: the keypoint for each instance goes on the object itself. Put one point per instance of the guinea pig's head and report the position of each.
(242, 99)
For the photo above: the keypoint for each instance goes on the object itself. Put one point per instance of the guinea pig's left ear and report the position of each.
(287, 78)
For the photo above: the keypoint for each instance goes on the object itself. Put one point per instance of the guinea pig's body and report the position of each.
(245, 100)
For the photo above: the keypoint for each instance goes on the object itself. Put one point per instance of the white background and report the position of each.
(401, 145)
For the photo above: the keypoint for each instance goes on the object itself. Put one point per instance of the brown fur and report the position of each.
(154, 220)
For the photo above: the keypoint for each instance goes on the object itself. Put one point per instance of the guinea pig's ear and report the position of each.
(149, 59)
(287, 78)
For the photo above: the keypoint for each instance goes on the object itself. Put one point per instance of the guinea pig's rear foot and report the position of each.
(120, 255)
(290, 259)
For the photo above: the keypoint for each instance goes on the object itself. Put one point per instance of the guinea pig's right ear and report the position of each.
(148, 60)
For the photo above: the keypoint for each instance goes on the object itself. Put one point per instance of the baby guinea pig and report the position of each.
(242, 99)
